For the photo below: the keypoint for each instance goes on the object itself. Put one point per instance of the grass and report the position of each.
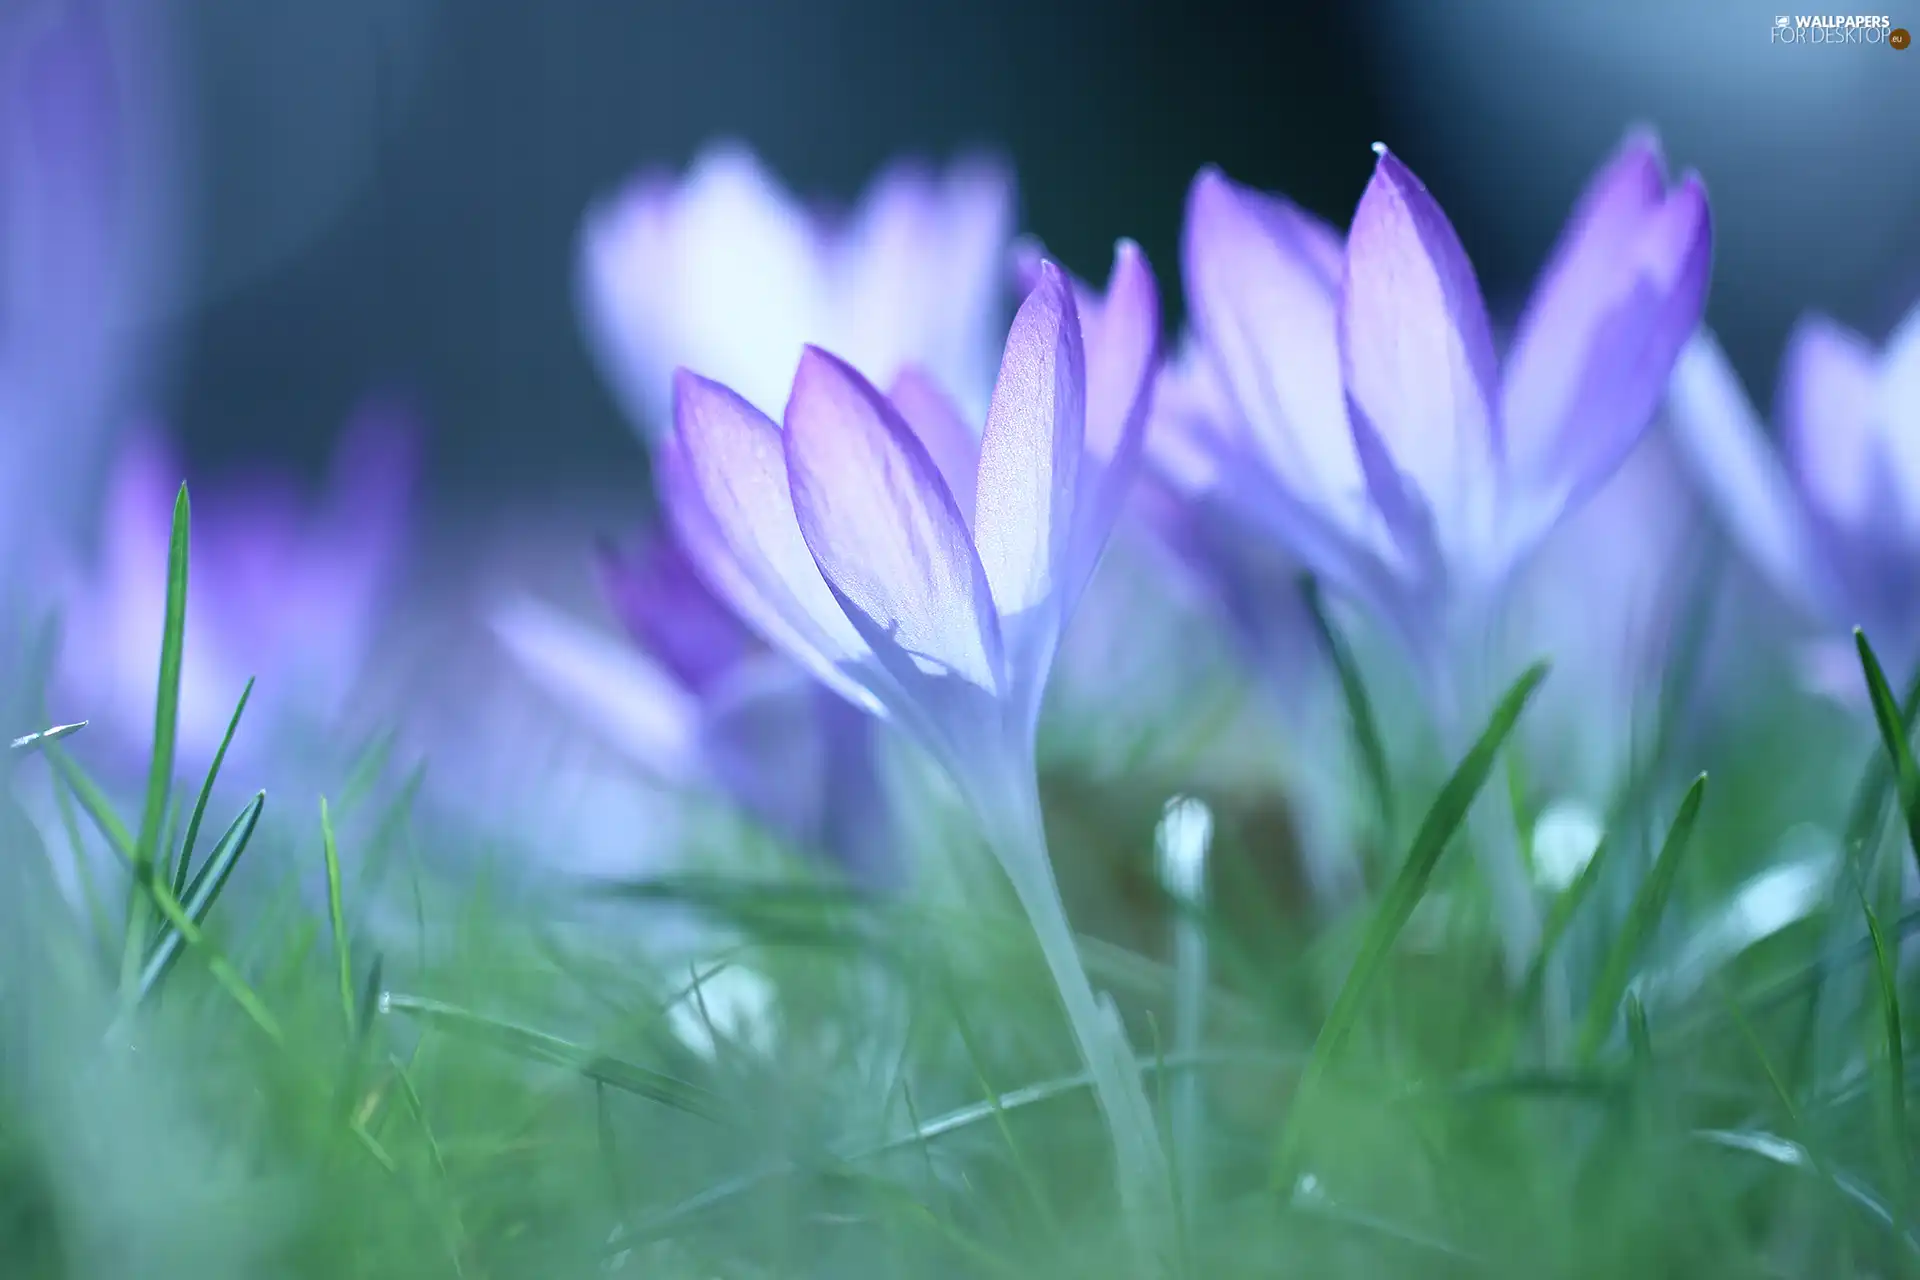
(467, 1075)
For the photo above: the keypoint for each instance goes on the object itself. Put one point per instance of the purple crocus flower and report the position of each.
(726, 272)
(278, 589)
(928, 582)
(694, 699)
(87, 225)
(1381, 439)
(1832, 520)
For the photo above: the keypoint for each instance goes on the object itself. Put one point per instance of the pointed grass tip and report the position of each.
(44, 736)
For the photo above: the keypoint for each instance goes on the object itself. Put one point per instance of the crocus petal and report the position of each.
(723, 476)
(885, 532)
(1623, 291)
(1418, 356)
(921, 277)
(949, 441)
(1031, 450)
(1829, 392)
(1724, 445)
(1900, 379)
(1262, 278)
(632, 701)
(1122, 341)
(669, 611)
(720, 272)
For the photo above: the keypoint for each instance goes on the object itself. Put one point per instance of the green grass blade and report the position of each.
(1649, 905)
(337, 916)
(166, 717)
(94, 802)
(1437, 829)
(1899, 1157)
(174, 914)
(543, 1047)
(103, 932)
(1353, 691)
(184, 867)
(1893, 735)
(203, 892)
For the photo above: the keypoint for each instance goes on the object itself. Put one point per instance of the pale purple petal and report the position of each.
(1900, 373)
(1827, 408)
(1121, 332)
(949, 441)
(723, 477)
(1030, 453)
(671, 613)
(1262, 281)
(920, 278)
(1898, 410)
(1724, 446)
(1418, 356)
(629, 699)
(1623, 290)
(721, 272)
(726, 272)
(885, 532)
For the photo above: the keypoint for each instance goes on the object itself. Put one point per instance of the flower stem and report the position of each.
(1019, 841)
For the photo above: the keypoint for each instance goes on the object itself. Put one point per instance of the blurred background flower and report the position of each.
(91, 248)
(284, 587)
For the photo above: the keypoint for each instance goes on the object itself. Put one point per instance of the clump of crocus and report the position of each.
(1381, 440)
(1832, 519)
(693, 699)
(726, 272)
(928, 581)
(279, 588)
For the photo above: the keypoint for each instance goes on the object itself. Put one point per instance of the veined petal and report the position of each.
(723, 477)
(1418, 356)
(1031, 450)
(624, 694)
(1829, 428)
(1121, 335)
(949, 441)
(885, 532)
(1262, 280)
(1624, 289)
(1725, 447)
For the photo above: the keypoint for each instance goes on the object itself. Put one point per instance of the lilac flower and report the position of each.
(288, 593)
(1833, 519)
(726, 272)
(693, 699)
(87, 225)
(1393, 453)
(1382, 441)
(844, 540)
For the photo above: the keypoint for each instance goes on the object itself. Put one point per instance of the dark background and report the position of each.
(388, 190)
